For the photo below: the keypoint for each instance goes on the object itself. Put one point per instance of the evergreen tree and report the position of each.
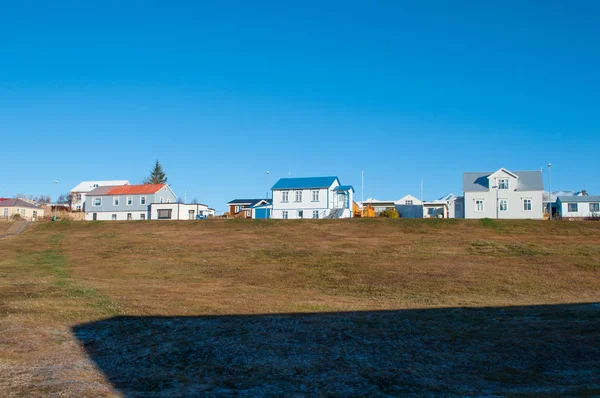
(157, 175)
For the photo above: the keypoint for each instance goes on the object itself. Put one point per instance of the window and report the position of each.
(298, 196)
(97, 202)
(594, 207)
(94, 216)
(315, 196)
(162, 200)
(572, 208)
(479, 205)
(142, 216)
(116, 201)
(78, 196)
(409, 202)
(285, 215)
(169, 200)
(95, 185)
(526, 204)
(129, 201)
(238, 208)
(503, 205)
(114, 217)
(315, 214)
(164, 214)
(300, 213)
(142, 200)
(22, 212)
(285, 196)
(5, 212)
(129, 217)
(503, 183)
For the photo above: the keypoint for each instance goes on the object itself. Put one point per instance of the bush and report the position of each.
(15, 217)
(389, 213)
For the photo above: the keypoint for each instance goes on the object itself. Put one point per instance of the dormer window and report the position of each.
(503, 183)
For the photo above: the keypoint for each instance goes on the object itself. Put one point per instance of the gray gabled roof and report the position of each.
(479, 182)
(579, 199)
(100, 191)
(18, 203)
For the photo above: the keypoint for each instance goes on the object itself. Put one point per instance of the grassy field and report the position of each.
(356, 307)
(4, 226)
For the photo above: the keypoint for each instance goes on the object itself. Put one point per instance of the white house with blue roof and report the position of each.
(312, 197)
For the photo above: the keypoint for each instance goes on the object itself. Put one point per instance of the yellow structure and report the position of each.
(367, 212)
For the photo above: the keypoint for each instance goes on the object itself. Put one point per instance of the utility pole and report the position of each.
(497, 204)
(549, 192)
(56, 200)
(362, 183)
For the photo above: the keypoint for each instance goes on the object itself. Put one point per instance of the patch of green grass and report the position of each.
(589, 266)
(497, 249)
(491, 223)
(54, 260)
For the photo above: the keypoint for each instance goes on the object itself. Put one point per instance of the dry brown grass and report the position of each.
(5, 226)
(59, 276)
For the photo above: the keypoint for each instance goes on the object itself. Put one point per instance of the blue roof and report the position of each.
(305, 182)
(344, 188)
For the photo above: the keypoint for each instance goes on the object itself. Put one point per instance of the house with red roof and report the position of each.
(125, 202)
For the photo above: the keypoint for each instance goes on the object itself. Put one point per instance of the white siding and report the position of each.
(179, 211)
(515, 204)
(583, 210)
(121, 215)
(327, 201)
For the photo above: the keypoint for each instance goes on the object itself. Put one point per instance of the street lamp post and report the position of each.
(267, 179)
(549, 192)
(496, 188)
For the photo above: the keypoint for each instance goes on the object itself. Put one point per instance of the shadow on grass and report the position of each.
(534, 350)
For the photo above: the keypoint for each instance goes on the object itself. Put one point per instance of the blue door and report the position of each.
(262, 213)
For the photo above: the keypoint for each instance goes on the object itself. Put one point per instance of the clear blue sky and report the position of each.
(220, 93)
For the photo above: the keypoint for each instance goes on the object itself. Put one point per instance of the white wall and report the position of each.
(328, 200)
(26, 213)
(415, 201)
(121, 215)
(583, 210)
(179, 211)
(515, 204)
(323, 203)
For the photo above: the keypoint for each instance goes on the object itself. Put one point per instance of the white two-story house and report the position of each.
(503, 194)
(312, 197)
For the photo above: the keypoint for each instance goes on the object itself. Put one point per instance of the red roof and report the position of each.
(135, 189)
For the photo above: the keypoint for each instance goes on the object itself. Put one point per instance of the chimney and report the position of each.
(584, 193)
